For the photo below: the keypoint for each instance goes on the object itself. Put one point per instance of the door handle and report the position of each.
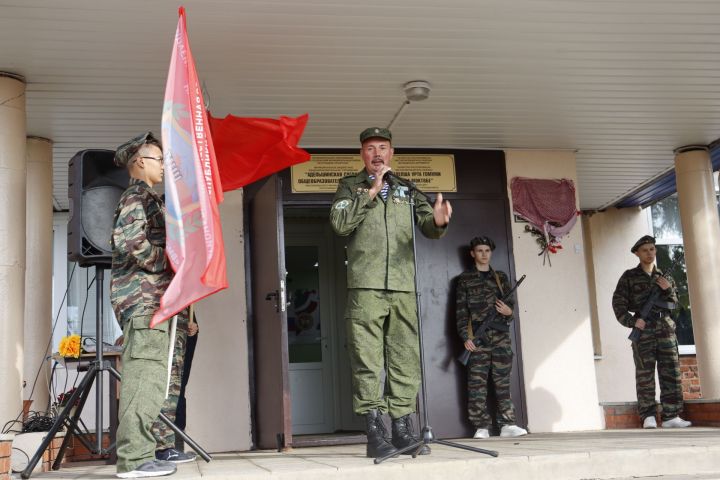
(273, 296)
(281, 302)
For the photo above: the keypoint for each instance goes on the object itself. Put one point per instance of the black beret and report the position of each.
(643, 240)
(482, 241)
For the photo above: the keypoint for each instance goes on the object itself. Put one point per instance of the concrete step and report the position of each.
(700, 476)
(606, 455)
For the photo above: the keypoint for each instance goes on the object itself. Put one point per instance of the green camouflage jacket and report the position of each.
(476, 295)
(633, 289)
(379, 251)
(140, 271)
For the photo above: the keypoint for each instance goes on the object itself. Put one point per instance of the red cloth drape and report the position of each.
(545, 201)
(248, 149)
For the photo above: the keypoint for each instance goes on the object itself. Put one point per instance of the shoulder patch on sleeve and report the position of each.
(342, 204)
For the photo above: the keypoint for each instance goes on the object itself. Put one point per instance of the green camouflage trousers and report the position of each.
(494, 358)
(163, 434)
(142, 390)
(658, 344)
(382, 330)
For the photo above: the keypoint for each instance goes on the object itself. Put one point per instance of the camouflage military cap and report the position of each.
(375, 132)
(482, 241)
(643, 240)
(127, 150)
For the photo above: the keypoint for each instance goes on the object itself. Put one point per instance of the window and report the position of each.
(667, 230)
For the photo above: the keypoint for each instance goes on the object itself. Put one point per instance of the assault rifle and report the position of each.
(653, 301)
(487, 322)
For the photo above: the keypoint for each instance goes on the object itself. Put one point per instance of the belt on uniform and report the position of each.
(500, 327)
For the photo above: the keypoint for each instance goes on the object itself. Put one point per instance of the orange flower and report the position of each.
(70, 346)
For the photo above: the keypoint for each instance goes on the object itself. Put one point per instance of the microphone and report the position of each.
(391, 178)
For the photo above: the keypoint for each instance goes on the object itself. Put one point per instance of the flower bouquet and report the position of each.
(548, 244)
(70, 346)
(63, 399)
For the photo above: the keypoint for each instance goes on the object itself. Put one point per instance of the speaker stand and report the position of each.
(94, 375)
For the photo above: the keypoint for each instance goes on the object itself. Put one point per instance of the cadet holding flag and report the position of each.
(140, 275)
(381, 311)
(657, 343)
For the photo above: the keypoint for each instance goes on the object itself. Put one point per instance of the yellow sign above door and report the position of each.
(431, 173)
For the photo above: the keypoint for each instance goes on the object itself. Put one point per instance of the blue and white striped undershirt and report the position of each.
(384, 190)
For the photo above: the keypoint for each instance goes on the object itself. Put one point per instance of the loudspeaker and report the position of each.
(95, 184)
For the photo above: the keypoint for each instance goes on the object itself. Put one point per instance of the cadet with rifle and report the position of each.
(651, 296)
(480, 308)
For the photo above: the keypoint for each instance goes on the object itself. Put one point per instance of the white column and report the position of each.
(701, 237)
(38, 271)
(554, 313)
(12, 243)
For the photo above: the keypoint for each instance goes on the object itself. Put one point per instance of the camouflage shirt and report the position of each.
(379, 251)
(633, 289)
(476, 295)
(140, 271)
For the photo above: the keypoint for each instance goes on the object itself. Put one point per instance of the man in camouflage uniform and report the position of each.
(657, 340)
(381, 312)
(140, 275)
(479, 290)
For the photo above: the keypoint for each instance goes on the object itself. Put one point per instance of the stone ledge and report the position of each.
(543, 456)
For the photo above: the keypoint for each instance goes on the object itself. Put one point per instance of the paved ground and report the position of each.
(663, 454)
(700, 476)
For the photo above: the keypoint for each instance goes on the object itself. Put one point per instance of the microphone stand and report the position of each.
(427, 434)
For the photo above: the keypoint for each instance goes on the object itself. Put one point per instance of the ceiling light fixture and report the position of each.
(415, 91)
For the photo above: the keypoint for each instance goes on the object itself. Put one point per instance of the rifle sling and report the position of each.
(473, 327)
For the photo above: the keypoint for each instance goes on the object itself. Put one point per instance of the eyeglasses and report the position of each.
(159, 159)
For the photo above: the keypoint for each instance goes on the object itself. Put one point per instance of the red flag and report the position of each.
(249, 149)
(194, 243)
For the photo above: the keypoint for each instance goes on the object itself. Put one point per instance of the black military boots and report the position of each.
(377, 443)
(403, 436)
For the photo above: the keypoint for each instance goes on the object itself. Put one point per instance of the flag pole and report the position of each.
(171, 351)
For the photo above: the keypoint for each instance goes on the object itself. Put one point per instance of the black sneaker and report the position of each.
(174, 456)
(154, 468)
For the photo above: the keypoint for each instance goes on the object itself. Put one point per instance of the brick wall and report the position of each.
(51, 452)
(689, 374)
(77, 452)
(702, 413)
(621, 415)
(5, 452)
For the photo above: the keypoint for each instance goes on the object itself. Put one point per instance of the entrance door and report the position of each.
(310, 326)
(273, 416)
(320, 379)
